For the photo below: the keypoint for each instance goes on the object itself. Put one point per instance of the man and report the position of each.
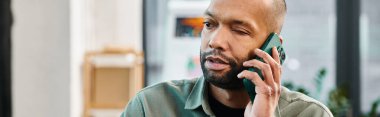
(233, 31)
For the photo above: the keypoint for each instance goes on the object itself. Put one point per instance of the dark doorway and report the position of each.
(5, 58)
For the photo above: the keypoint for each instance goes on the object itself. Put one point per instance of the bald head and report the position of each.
(271, 13)
(276, 16)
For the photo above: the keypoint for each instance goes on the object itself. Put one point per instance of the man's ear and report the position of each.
(281, 39)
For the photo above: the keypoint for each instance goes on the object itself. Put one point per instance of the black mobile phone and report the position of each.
(273, 40)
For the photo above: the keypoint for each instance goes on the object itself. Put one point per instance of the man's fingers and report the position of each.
(273, 62)
(276, 67)
(266, 57)
(265, 70)
(260, 86)
(253, 77)
(275, 55)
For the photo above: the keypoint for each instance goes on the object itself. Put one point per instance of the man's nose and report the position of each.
(219, 39)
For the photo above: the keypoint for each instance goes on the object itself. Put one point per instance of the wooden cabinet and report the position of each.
(111, 79)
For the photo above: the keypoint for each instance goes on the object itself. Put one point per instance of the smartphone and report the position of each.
(273, 40)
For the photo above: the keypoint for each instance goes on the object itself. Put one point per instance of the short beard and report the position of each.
(227, 80)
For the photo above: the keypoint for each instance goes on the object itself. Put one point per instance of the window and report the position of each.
(370, 55)
(309, 42)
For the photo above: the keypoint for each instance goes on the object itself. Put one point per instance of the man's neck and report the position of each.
(230, 98)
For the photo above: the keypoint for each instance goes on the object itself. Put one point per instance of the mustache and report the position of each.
(217, 53)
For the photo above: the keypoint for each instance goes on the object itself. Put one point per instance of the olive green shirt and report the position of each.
(189, 98)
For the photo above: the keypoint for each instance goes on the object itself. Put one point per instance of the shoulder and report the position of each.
(174, 86)
(161, 96)
(301, 104)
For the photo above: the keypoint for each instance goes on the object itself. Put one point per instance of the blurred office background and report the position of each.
(73, 58)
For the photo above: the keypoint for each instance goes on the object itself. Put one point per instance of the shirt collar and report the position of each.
(199, 97)
(196, 96)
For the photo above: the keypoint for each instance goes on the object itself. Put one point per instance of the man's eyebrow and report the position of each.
(207, 12)
(240, 22)
(233, 21)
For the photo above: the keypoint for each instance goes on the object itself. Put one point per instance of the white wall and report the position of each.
(77, 36)
(50, 38)
(41, 58)
(113, 22)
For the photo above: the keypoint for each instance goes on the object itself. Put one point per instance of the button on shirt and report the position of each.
(189, 98)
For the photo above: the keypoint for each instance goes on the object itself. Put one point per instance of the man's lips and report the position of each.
(216, 63)
(216, 59)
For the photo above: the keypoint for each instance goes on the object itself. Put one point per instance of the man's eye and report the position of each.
(240, 32)
(207, 24)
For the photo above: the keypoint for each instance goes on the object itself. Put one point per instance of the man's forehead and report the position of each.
(238, 8)
(246, 12)
(244, 4)
(227, 18)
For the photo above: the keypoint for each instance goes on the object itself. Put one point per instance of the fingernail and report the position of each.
(239, 75)
(257, 50)
(245, 64)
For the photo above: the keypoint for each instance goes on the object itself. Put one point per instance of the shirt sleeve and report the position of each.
(315, 110)
(134, 108)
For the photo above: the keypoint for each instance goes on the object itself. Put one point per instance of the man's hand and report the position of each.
(268, 90)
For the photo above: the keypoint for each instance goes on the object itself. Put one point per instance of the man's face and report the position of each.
(232, 30)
